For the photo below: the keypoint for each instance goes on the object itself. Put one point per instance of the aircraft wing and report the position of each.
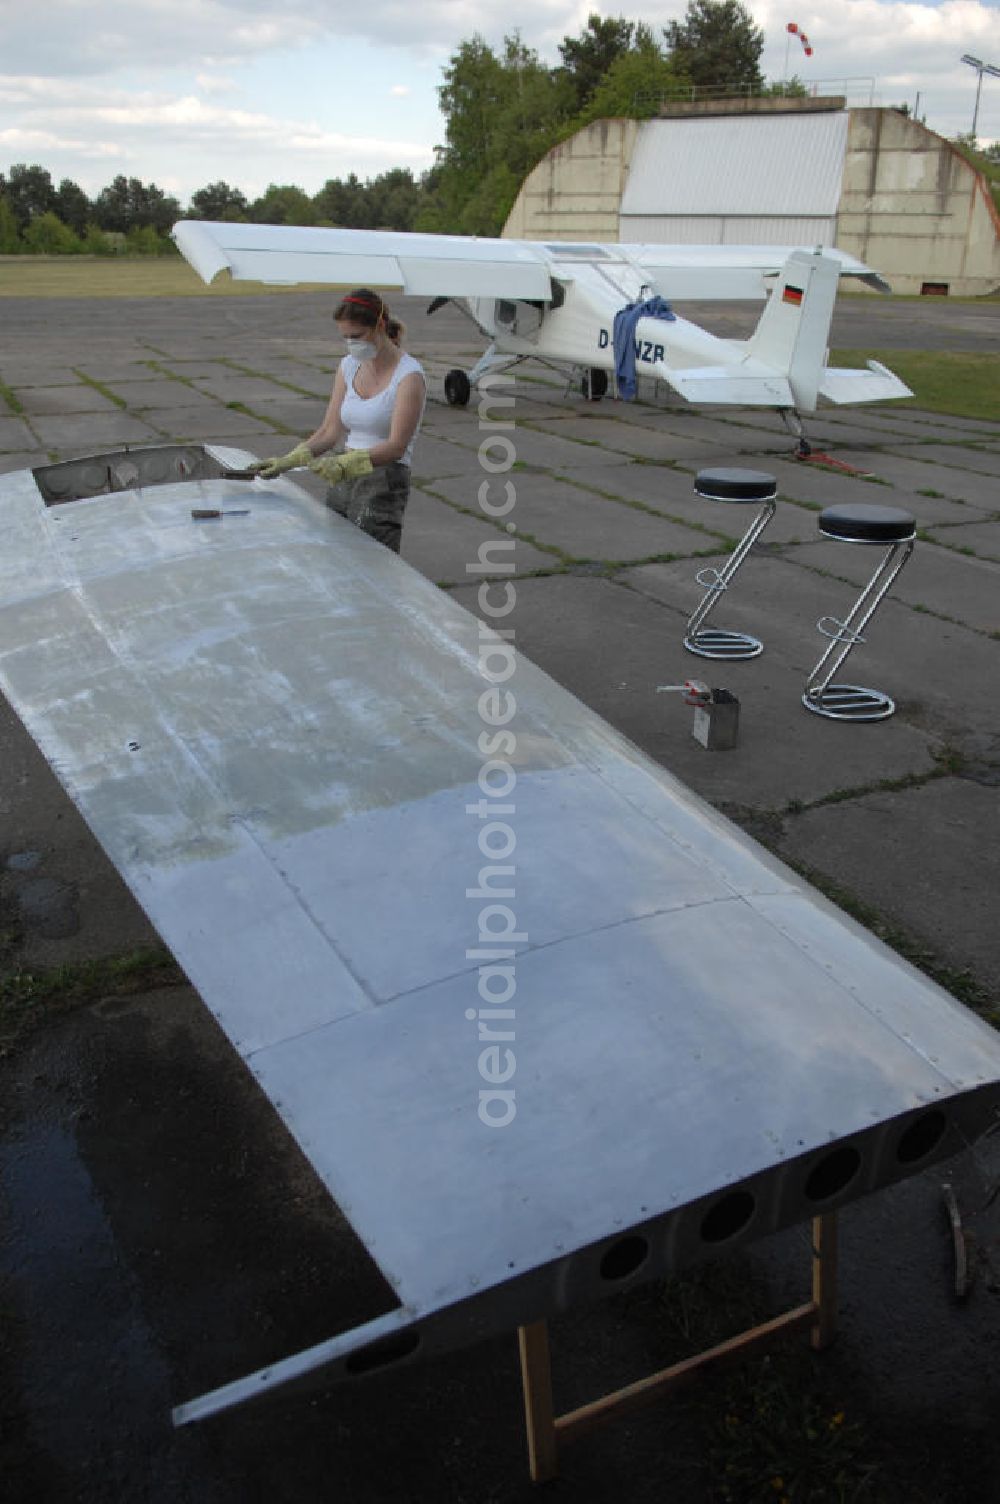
(457, 266)
(723, 273)
(426, 265)
(524, 1085)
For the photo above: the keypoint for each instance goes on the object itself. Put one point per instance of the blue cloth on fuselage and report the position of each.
(626, 321)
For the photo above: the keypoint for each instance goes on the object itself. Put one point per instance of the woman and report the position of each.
(376, 407)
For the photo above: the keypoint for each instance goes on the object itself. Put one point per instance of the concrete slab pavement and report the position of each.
(614, 646)
(982, 538)
(36, 401)
(910, 855)
(581, 525)
(441, 542)
(939, 672)
(934, 579)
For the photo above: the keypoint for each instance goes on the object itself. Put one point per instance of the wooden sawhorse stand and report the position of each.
(545, 1429)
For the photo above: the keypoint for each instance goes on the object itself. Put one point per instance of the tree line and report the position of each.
(503, 110)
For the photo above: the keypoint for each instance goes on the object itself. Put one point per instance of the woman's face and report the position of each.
(356, 336)
(351, 329)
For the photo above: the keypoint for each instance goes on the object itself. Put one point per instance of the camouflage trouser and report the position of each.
(376, 502)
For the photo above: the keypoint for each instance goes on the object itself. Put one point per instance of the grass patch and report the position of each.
(268, 422)
(288, 386)
(162, 370)
(99, 386)
(124, 277)
(12, 400)
(950, 382)
(29, 998)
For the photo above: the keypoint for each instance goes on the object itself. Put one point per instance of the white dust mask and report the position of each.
(361, 349)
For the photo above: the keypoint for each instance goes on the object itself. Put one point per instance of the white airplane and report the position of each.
(557, 302)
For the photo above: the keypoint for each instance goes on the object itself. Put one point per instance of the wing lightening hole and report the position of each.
(727, 1217)
(833, 1174)
(923, 1135)
(624, 1257)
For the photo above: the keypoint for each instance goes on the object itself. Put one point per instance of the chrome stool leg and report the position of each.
(824, 694)
(730, 486)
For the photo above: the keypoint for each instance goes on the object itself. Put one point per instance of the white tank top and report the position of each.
(369, 419)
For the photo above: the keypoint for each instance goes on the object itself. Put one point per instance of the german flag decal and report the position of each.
(791, 294)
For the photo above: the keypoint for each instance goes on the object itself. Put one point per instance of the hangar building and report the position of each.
(775, 172)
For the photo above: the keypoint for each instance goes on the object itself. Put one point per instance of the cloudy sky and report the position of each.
(184, 92)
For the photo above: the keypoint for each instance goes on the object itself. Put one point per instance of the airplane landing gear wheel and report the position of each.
(457, 389)
(594, 384)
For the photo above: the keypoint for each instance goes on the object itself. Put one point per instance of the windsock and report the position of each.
(796, 32)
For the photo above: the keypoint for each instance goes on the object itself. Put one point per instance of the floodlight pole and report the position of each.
(981, 68)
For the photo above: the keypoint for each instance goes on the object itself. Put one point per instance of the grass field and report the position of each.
(964, 386)
(119, 277)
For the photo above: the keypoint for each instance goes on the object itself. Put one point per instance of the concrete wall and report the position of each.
(910, 204)
(913, 207)
(575, 191)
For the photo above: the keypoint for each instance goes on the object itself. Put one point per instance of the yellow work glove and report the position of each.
(277, 465)
(347, 466)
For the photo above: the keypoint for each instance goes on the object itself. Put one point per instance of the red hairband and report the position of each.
(367, 303)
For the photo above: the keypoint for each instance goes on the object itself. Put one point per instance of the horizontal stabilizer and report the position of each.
(727, 385)
(877, 384)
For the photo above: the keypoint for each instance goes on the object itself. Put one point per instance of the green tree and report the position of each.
(218, 201)
(29, 192)
(72, 206)
(10, 240)
(636, 82)
(283, 204)
(791, 88)
(46, 235)
(502, 114)
(392, 200)
(343, 202)
(717, 45)
(588, 57)
(143, 240)
(128, 202)
(95, 243)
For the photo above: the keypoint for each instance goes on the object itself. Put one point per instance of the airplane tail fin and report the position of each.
(794, 328)
(793, 332)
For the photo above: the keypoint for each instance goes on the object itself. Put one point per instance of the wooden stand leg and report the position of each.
(539, 1417)
(546, 1429)
(824, 1279)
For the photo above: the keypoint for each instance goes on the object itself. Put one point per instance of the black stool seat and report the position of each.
(864, 524)
(735, 485)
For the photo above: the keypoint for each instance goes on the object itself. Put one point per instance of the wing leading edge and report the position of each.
(424, 265)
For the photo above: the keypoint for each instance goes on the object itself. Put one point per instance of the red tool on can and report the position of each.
(695, 692)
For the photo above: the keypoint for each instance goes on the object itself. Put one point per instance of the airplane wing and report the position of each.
(525, 1086)
(426, 265)
(467, 266)
(728, 272)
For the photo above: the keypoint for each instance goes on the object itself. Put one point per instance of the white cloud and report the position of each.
(216, 83)
(187, 91)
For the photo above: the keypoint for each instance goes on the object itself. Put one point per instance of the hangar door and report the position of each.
(736, 180)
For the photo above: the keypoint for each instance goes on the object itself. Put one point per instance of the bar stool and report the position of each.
(867, 525)
(743, 487)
